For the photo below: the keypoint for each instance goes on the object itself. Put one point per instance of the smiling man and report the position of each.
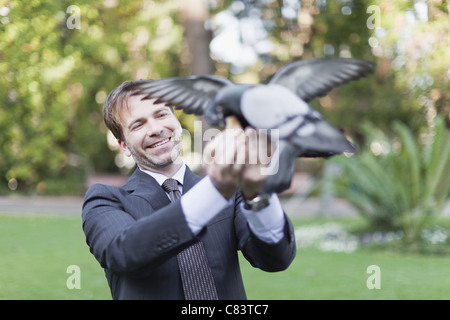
(152, 135)
(170, 234)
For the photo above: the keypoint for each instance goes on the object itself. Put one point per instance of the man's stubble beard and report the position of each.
(146, 162)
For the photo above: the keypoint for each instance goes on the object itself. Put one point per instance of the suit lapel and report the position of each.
(146, 187)
(190, 179)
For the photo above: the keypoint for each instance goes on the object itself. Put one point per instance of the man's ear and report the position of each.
(124, 147)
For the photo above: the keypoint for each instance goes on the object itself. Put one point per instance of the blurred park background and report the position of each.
(60, 59)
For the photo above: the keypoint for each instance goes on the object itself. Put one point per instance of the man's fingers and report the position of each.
(241, 154)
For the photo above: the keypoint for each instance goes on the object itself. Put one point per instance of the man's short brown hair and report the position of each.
(116, 101)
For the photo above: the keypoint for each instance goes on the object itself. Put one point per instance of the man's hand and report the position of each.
(221, 160)
(257, 153)
(237, 159)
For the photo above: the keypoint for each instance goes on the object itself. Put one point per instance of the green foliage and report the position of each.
(401, 182)
(56, 78)
(410, 76)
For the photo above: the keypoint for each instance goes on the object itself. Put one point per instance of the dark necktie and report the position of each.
(198, 283)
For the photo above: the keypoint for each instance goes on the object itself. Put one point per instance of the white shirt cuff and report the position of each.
(268, 223)
(201, 203)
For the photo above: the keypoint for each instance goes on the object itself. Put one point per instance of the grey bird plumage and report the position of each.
(281, 104)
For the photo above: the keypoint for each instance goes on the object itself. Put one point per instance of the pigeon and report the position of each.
(280, 106)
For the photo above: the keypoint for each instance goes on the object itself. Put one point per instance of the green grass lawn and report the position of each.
(36, 251)
(330, 275)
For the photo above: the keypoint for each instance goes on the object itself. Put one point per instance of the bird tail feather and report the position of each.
(281, 169)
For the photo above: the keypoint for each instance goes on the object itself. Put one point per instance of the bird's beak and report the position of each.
(232, 122)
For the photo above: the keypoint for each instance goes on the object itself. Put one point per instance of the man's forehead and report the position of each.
(137, 108)
(139, 99)
(135, 102)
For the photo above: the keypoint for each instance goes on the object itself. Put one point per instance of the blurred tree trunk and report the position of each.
(194, 14)
(305, 21)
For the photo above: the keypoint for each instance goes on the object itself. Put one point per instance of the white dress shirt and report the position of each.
(203, 201)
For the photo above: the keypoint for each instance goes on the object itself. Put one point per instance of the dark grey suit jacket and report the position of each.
(135, 233)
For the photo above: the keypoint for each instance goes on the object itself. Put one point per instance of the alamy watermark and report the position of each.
(374, 20)
(264, 146)
(74, 280)
(74, 20)
(374, 280)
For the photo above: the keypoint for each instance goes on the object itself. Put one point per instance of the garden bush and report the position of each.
(400, 182)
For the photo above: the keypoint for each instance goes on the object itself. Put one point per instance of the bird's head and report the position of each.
(227, 102)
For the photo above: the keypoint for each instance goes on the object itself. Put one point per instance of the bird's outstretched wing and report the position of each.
(192, 93)
(316, 77)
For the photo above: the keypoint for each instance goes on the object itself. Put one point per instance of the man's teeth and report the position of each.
(160, 143)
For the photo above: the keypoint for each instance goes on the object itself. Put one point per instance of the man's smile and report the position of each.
(160, 143)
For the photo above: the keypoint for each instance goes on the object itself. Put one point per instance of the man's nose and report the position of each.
(154, 128)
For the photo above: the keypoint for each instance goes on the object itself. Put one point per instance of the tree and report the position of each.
(194, 15)
(411, 78)
(59, 61)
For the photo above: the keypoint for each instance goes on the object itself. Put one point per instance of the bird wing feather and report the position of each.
(192, 93)
(316, 77)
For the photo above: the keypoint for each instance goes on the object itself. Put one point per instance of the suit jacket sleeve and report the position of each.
(265, 256)
(126, 245)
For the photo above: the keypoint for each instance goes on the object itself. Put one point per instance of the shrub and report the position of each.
(399, 183)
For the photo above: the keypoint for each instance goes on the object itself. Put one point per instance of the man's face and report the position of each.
(152, 135)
